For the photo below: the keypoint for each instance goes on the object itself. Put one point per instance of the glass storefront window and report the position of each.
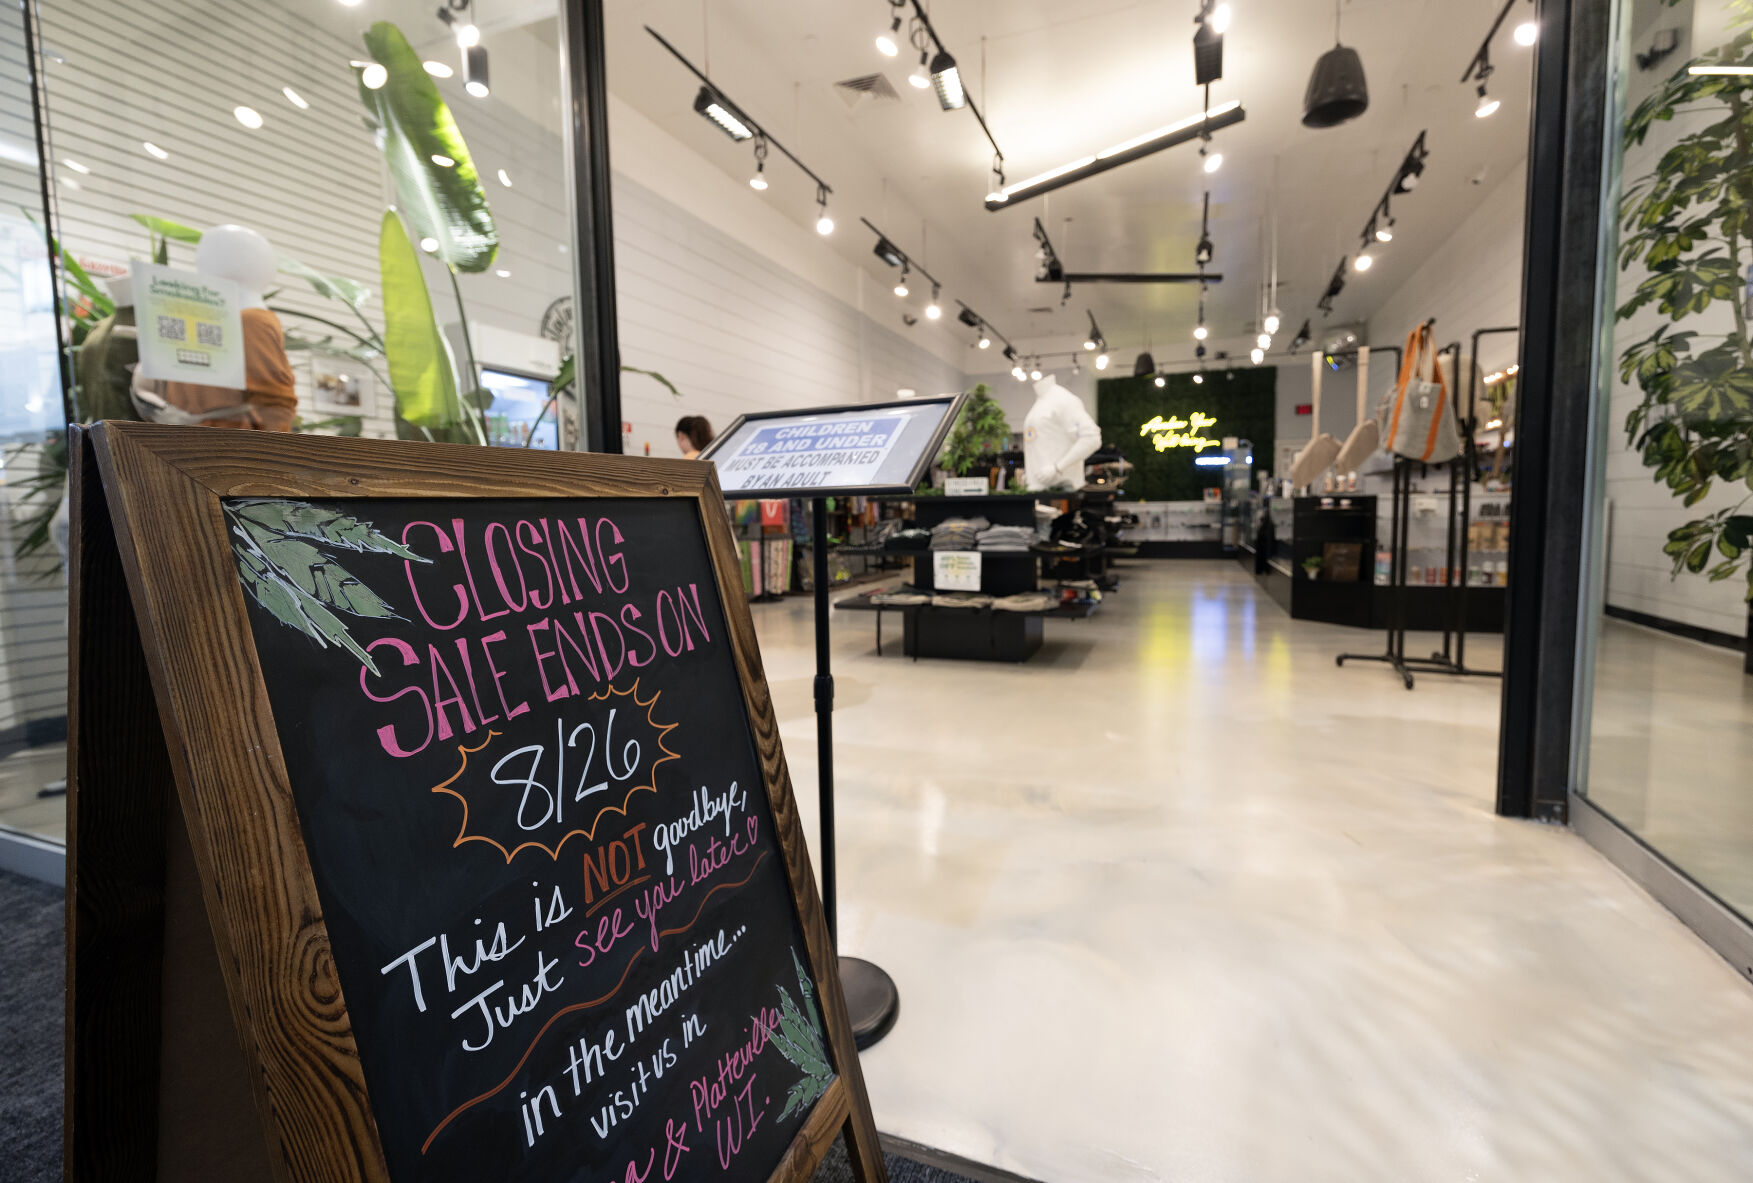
(1669, 707)
(33, 592)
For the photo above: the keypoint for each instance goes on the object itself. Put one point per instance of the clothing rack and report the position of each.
(1451, 659)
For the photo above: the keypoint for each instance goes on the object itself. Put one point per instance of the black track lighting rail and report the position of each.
(1480, 66)
(985, 324)
(925, 23)
(1404, 181)
(760, 132)
(907, 261)
(1383, 208)
(1053, 271)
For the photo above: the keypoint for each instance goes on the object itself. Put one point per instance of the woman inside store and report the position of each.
(693, 432)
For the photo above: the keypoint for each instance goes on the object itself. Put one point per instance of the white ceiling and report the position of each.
(1063, 78)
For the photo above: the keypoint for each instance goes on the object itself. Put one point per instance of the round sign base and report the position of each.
(872, 1001)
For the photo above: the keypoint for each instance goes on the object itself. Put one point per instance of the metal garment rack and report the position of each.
(1451, 660)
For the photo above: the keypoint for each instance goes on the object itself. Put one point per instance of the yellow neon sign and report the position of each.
(1176, 432)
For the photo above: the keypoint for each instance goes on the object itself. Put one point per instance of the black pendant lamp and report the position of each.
(1144, 366)
(1337, 90)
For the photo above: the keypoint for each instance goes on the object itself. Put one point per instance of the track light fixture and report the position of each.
(1160, 381)
(1020, 374)
(1210, 24)
(1200, 332)
(1199, 378)
(1364, 261)
(1412, 168)
(977, 322)
(719, 110)
(758, 182)
(901, 284)
(1487, 105)
(888, 252)
(1095, 340)
(947, 79)
(1301, 339)
(1480, 68)
(475, 79)
(920, 78)
(933, 310)
(824, 224)
(1194, 127)
(888, 41)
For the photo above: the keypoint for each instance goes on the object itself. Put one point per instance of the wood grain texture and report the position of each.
(860, 1127)
(119, 790)
(164, 486)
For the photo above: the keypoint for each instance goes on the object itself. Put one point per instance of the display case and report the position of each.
(1177, 529)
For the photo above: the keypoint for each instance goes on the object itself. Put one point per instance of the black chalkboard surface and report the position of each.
(428, 820)
(535, 818)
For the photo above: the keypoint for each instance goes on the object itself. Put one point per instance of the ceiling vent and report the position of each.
(854, 91)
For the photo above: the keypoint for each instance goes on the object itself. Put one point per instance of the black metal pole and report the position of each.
(596, 348)
(824, 713)
(872, 1002)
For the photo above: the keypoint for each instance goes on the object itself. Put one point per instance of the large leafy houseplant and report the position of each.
(981, 429)
(1689, 222)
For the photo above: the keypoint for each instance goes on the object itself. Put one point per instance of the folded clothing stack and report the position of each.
(908, 540)
(960, 600)
(898, 599)
(957, 533)
(1035, 601)
(1015, 539)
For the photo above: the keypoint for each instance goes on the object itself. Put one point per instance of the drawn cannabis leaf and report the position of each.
(799, 1039)
(295, 581)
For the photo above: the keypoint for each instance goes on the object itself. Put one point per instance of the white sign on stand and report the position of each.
(966, 486)
(955, 570)
(833, 451)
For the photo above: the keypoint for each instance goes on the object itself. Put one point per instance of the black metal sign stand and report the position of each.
(871, 998)
(872, 1001)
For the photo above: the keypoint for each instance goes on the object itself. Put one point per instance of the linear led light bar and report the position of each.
(1124, 152)
(1728, 71)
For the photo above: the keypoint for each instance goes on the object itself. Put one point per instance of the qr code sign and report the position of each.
(172, 328)
(207, 333)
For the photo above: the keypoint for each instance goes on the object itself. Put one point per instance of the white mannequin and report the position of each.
(239, 254)
(1058, 436)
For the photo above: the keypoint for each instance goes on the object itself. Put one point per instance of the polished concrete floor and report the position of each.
(1180, 900)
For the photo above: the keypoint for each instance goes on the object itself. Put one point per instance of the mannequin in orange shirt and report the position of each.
(269, 399)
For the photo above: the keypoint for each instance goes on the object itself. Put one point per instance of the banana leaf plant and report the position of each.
(1689, 222)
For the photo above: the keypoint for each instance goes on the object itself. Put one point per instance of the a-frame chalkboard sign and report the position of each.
(428, 821)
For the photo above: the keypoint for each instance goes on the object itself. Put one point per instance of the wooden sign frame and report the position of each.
(200, 977)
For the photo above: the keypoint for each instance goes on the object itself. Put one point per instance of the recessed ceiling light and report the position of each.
(438, 69)
(154, 150)
(429, 245)
(75, 166)
(348, 3)
(1364, 261)
(503, 274)
(443, 161)
(505, 178)
(296, 99)
(248, 116)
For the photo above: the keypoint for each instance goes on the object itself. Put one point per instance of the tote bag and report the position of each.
(1317, 455)
(1366, 437)
(1422, 426)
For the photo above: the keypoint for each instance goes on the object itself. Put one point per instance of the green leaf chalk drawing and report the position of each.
(276, 544)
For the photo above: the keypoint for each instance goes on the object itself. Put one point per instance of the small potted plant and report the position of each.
(1312, 565)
